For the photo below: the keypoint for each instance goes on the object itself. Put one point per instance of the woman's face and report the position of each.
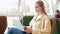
(38, 8)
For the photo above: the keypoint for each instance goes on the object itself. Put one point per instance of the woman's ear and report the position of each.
(42, 8)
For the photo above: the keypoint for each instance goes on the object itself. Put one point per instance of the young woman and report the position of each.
(40, 24)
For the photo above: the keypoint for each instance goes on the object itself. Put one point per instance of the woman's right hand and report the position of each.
(25, 27)
(28, 30)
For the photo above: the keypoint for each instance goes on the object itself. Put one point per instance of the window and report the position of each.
(9, 7)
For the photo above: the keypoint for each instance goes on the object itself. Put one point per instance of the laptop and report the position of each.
(17, 24)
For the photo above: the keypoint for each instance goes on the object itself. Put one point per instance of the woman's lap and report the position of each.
(15, 31)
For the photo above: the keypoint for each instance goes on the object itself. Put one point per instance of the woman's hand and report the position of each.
(28, 30)
(25, 27)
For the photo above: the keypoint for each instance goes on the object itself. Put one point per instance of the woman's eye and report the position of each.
(36, 7)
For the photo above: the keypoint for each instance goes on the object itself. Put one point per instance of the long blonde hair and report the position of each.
(41, 4)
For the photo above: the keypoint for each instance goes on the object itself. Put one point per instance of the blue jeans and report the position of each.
(15, 31)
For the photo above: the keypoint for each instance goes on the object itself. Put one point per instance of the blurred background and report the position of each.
(26, 7)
